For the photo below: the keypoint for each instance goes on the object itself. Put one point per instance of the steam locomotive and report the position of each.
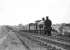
(35, 28)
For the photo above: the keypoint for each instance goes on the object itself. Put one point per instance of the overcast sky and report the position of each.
(13, 12)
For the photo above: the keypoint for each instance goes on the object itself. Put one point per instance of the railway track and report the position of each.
(52, 41)
(55, 43)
